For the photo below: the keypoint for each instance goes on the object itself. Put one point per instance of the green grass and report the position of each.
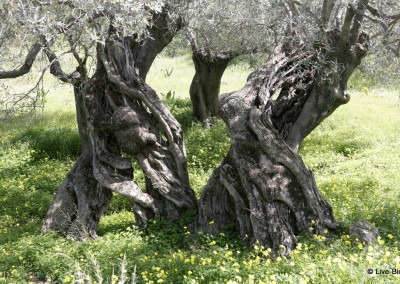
(355, 155)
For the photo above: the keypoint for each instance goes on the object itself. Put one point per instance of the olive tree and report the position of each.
(262, 186)
(117, 112)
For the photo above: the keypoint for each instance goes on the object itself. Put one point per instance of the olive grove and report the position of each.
(262, 186)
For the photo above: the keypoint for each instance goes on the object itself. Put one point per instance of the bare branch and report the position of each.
(340, 11)
(358, 19)
(193, 41)
(56, 70)
(346, 26)
(126, 188)
(327, 8)
(26, 67)
(83, 72)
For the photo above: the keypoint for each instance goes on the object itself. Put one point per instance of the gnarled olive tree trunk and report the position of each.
(119, 114)
(262, 185)
(206, 83)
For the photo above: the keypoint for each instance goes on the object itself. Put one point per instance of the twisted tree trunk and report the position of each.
(262, 185)
(118, 113)
(206, 83)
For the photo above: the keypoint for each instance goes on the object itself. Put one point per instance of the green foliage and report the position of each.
(251, 60)
(178, 47)
(180, 108)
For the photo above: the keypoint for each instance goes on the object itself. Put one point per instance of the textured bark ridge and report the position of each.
(262, 185)
(206, 83)
(80, 200)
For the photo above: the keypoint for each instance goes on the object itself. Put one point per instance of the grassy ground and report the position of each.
(170, 74)
(355, 155)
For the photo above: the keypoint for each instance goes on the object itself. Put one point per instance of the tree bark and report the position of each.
(205, 87)
(136, 115)
(262, 185)
(303, 104)
(79, 202)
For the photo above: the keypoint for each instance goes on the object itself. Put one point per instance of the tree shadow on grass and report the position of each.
(55, 143)
(52, 135)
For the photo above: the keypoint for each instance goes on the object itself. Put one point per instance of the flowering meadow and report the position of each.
(355, 155)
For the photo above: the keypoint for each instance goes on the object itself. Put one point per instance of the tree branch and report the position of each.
(374, 11)
(346, 27)
(56, 70)
(126, 188)
(338, 16)
(193, 41)
(327, 8)
(26, 67)
(358, 19)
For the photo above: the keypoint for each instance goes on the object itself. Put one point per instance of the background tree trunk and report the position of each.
(205, 87)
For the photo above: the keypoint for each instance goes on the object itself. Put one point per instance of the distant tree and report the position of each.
(205, 87)
(219, 31)
(262, 186)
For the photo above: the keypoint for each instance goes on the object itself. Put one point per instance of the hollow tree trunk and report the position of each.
(262, 185)
(111, 123)
(205, 86)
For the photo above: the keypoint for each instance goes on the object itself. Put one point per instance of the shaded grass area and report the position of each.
(354, 154)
